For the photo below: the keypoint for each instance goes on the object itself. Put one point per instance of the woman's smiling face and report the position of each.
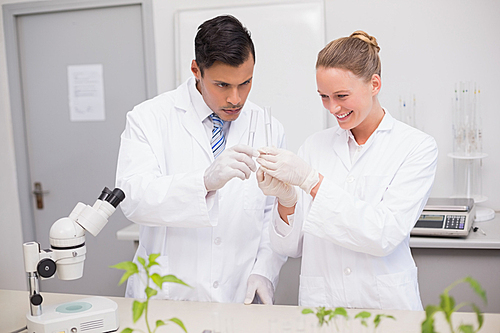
(350, 99)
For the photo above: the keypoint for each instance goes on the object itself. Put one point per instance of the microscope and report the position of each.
(66, 257)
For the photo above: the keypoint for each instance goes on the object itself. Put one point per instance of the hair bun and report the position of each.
(366, 38)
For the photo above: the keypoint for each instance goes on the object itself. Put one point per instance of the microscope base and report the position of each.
(89, 315)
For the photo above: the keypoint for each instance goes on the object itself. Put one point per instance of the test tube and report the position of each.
(267, 121)
(251, 129)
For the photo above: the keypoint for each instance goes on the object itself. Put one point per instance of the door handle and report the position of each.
(39, 192)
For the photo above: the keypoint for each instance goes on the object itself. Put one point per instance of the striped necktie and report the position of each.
(218, 141)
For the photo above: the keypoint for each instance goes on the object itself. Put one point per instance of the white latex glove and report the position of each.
(233, 162)
(286, 194)
(257, 284)
(288, 167)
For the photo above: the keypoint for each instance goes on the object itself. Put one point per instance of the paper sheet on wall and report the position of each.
(86, 92)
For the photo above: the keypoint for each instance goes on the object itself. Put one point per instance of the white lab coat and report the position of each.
(212, 242)
(354, 236)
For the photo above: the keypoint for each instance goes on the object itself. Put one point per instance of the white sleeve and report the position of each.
(155, 199)
(286, 239)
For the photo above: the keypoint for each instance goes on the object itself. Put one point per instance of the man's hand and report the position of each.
(257, 284)
(233, 162)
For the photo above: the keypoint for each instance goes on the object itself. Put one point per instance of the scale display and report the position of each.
(441, 221)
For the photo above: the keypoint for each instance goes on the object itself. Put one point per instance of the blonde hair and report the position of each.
(357, 53)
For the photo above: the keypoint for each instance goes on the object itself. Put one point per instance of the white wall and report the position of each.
(426, 46)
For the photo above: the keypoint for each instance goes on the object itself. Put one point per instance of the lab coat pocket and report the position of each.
(373, 188)
(399, 291)
(312, 291)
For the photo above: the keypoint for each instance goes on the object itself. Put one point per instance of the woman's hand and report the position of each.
(288, 167)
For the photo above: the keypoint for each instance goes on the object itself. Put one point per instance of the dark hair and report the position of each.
(224, 39)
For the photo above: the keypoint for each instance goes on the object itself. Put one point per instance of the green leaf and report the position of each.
(428, 325)
(340, 312)
(477, 288)
(178, 322)
(150, 292)
(152, 259)
(378, 319)
(430, 310)
(173, 279)
(307, 311)
(466, 329)
(129, 267)
(160, 323)
(363, 315)
(127, 330)
(447, 305)
(137, 310)
(157, 279)
(321, 318)
(142, 261)
(479, 315)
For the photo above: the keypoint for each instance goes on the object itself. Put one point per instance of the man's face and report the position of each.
(225, 88)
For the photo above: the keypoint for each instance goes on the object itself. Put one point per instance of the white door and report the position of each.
(70, 158)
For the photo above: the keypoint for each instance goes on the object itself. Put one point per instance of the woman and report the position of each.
(364, 185)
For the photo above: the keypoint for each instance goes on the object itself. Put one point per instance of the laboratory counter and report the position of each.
(233, 318)
(487, 236)
(440, 261)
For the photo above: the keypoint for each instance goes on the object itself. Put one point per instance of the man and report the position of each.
(185, 167)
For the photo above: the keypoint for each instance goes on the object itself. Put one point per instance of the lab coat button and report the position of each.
(350, 179)
(216, 284)
(347, 271)
(217, 241)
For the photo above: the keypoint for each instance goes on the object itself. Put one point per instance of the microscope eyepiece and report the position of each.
(104, 194)
(116, 197)
(113, 197)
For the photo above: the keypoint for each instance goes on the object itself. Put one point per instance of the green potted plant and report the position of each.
(325, 316)
(448, 305)
(139, 308)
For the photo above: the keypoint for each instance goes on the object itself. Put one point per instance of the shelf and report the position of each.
(477, 198)
(463, 156)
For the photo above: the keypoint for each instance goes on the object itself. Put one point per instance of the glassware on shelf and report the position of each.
(467, 147)
(466, 121)
(407, 109)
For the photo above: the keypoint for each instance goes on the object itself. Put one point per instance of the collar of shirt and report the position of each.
(355, 149)
(202, 110)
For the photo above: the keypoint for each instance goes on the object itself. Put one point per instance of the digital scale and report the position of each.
(93, 314)
(446, 217)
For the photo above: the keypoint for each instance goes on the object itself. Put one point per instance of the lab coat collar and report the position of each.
(191, 118)
(387, 122)
(341, 145)
(201, 108)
